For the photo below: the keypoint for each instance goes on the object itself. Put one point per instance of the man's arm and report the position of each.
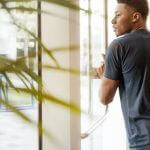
(107, 90)
(108, 86)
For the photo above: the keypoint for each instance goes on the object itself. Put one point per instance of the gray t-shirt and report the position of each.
(128, 60)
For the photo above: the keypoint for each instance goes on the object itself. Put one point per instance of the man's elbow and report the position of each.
(106, 97)
(105, 100)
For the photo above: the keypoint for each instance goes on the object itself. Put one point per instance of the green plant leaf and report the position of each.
(73, 71)
(30, 121)
(50, 98)
(64, 3)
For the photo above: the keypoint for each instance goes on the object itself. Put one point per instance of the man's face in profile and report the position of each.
(122, 22)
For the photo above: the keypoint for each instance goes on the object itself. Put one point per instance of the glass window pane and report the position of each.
(16, 43)
(92, 45)
(95, 26)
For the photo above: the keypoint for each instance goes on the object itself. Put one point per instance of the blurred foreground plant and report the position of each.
(19, 68)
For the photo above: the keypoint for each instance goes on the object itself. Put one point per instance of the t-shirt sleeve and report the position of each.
(113, 67)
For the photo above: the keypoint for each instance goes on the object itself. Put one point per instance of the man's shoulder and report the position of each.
(131, 39)
(121, 40)
(115, 47)
(133, 36)
(116, 43)
(124, 38)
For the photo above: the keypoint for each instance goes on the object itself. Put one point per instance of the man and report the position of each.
(127, 66)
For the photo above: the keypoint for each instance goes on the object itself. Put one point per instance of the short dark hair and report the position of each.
(139, 5)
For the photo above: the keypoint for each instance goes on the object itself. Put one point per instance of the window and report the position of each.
(95, 32)
(16, 43)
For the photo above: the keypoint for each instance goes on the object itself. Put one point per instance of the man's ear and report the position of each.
(136, 17)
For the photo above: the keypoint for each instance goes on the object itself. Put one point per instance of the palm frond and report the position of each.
(73, 71)
(50, 98)
(24, 73)
(64, 3)
(30, 121)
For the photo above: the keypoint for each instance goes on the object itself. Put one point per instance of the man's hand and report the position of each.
(100, 69)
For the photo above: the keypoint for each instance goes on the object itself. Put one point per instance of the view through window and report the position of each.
(15, 43)
(96, 32)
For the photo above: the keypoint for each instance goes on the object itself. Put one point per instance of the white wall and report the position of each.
(56, 33)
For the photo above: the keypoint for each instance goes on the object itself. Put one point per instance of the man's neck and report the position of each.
(139, 26)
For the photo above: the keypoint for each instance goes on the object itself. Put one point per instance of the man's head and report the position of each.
(129, 16)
